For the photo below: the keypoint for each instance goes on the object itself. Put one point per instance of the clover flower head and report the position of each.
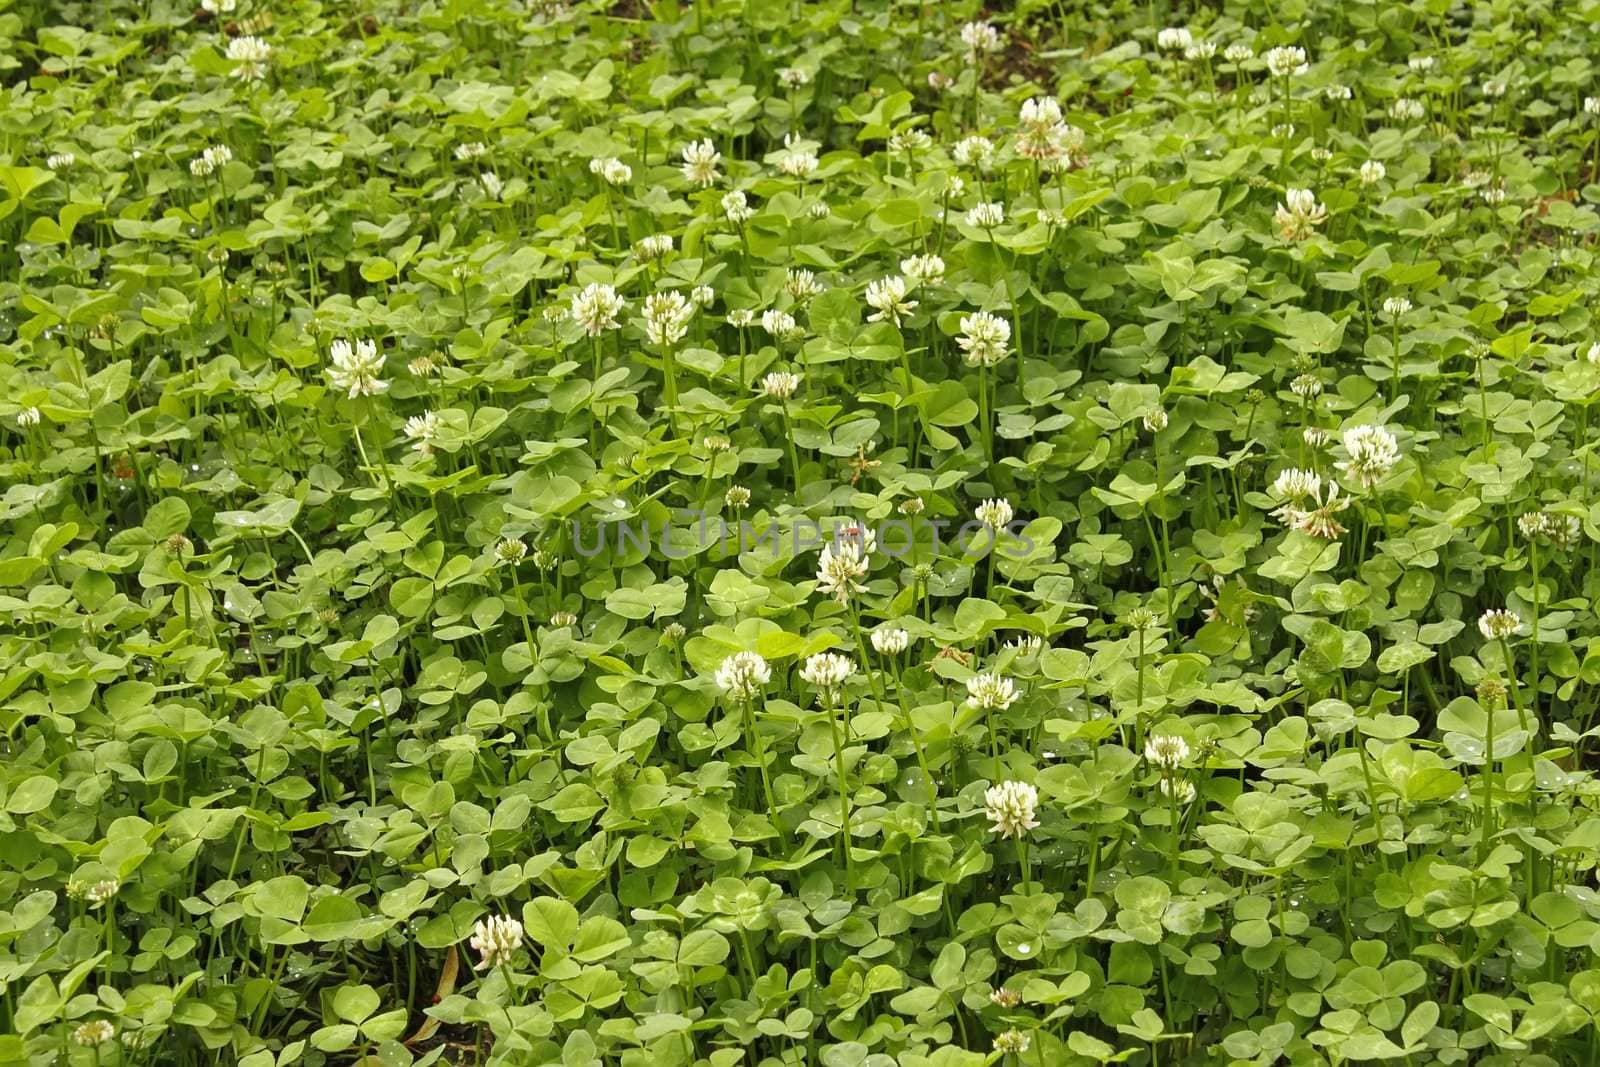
(995, 514)
(703, 296)
(96, 1032)
(780, 324)
(1371, 453)
(1496, 624)
(801, 283)
(1337, 92)
(495, 940)
(1010, 808)
(29, 417)
(1181, 789)
(1167, 751)
(910, 141)
(653, 247)
(840, 567)
(1407, 109)
(1155, 420)
(666, 317)
(984, 338)
(981, 38)
(1396, 306)
(887, 298)
(700, 159)
(1238, 53)
(611, 170)
(793, 77)
(737, 496)
(987, 215)
(102, 891)
(1174, 39)
(355, 368)
(1591, 105)
(742, 675)
(1299, 215)
(1286, 60)
(736, 206)
(250, 54)
(1372, 172)
(923, 270)
(798, 159)
(509, 551)
(1200, 50)
(1313, 512)
(423, 431)
(1306, 386)
(471, 150)
(780, 385)
(973, 151)
(990, 691)
(1296, 484)
(1013, 1041)
(827, 671)
(596, 307)
(890, 640)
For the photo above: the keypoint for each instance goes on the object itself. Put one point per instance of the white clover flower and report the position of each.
(703, 296)
(654, 246)
(700, 159)
(1371, 453)
(496, 939)
(954, 189)
(1238, 53)
(819, 210)
(1287, 60)
(737, 496)
(741, 317)
(355, 369)
(798, 159)
(827, 671)
(1372, 172)
(1591, 105)
(890, 640)
(424, 431)
(28, 417)
(90, 1034)
(780, 385)
(1306, 386)
(1155, 420)
(887, 298)
(1167, 751)
(984, 338)
(939, 81)
(840, 566)
(793, 77)
(974, 151)
(509, 551)
(779, 324)
(611, 170)
(1337, 92)
(102, 891)
(1174, 39)
(596, 307)
(219, 7)
(923, 270)
(986, 216)
(1299, 215)
(1013, 1041)
(251, 55)
(1532, 523)
(1296, 484)
(1420, 64)
(989, 691)
(563, 620)
(471, 150)
(1200, 50)
(60, 161)
(1495, 193)
(1315, 512)
(492, 185)
(666, 317)
(981, 38)
(1407, 109)
(737, 207)
(995, 514)
(1493, 88)
(1315, 436)
(801, 283)
(1010, 808)
(1027, 646)
(1181, 788)
(1396, 306)
(1498, 623)
(1283, 131)
(910, 141)
(743, 675)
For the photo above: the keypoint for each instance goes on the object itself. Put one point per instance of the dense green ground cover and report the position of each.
(1163, 627)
